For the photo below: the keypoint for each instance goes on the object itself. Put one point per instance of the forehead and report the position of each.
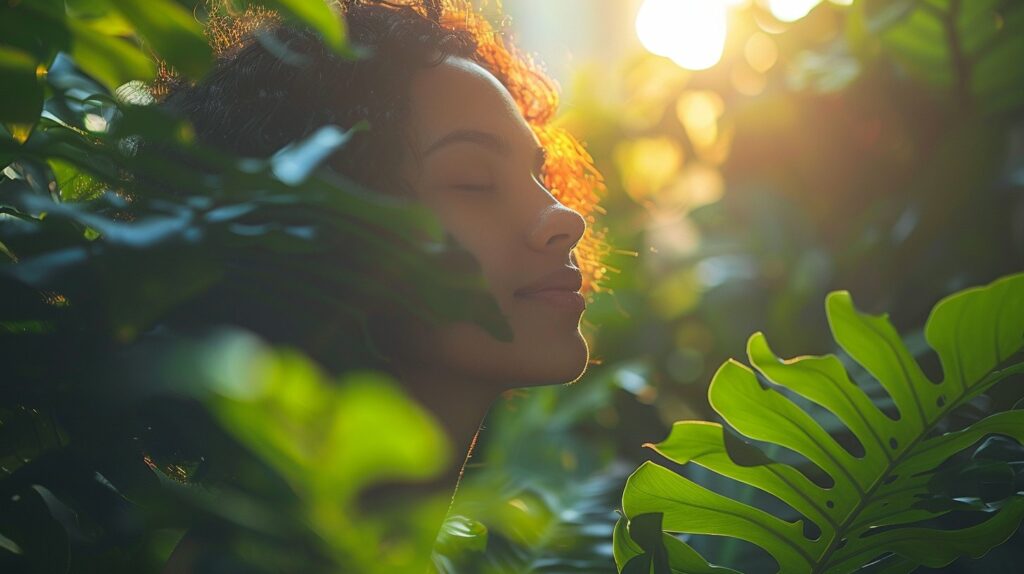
(459, 94)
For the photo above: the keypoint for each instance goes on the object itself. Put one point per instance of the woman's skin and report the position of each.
(475, 162)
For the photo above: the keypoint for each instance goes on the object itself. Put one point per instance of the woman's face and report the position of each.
(477, 165)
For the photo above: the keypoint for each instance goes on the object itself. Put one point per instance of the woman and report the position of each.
(458, 122)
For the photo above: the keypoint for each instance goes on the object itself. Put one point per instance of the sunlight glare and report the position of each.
(95, 123)
(791, 10)
(690, 32)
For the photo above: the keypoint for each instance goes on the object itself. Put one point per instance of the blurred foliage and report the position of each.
(874, 502)
(184, 357)
(876, 147)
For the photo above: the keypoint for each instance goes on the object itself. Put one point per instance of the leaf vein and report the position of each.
(767, 528)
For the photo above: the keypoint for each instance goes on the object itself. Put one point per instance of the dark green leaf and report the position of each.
(111, 60)
(21, 100)
(172, 31)
(319, 16)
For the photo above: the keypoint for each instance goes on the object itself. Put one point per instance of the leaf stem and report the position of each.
(827, 555)
(959, 61)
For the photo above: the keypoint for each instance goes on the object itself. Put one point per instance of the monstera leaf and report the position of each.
(874, 507)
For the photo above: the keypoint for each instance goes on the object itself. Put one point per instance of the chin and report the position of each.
(541, 359)
(556, 363)
(580, 359)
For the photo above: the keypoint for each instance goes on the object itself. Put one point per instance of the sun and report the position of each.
(690, 32)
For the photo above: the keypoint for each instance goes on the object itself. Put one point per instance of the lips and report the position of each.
(564, 279)
(561, 288)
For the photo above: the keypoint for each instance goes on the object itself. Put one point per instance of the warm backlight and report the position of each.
(791, 10)
(690, 32)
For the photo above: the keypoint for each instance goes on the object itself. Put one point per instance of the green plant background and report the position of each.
(883, 155)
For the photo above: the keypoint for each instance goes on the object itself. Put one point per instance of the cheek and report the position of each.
(489, 236)
(547, 347)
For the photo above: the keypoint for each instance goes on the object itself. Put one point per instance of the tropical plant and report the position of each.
(879, 499)
(117, 438)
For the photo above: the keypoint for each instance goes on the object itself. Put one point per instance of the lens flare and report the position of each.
(690, 32)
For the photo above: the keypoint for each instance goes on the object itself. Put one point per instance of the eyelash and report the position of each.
(538, 175)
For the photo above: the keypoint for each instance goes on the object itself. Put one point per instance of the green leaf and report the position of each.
(111, 60)
(21, 100)
(634, 548)
(881, 14)
(173, 32)
(319, 16)
(73, 184)
(35, 27)
(461, 534)
(26, 433)
(870, 511)
(294, 163)
(937, 548)
(330, 439)
(282, 406)
(970, 47)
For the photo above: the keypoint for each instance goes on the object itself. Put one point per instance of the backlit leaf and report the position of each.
(870, 510)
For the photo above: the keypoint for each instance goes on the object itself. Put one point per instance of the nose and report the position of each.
(557, 228)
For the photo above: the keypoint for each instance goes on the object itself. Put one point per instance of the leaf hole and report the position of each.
(941, 401)
(744, 556)
(811, 530)
(927, 358)
(890, 479)
(851, 444)
(824, 417)
(830, 504)
(815, 474)
(893, 443)
(753, 454)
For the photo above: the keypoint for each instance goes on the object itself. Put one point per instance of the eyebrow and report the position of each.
(491, 141)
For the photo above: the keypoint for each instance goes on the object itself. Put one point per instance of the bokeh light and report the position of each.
(791, 10)
(698, 111)
(647, 165)
(689, 32)
(698, 184)
(746, 80)
(761, 52)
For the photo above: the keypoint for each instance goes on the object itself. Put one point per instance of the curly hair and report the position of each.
(274, 83)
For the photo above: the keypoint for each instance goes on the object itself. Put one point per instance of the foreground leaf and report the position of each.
(175, 35)
(317, 15)
(871, 510)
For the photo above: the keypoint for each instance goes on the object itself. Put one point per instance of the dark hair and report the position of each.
(275, 83)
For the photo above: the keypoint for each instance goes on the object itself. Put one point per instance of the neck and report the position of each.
(459, 406)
